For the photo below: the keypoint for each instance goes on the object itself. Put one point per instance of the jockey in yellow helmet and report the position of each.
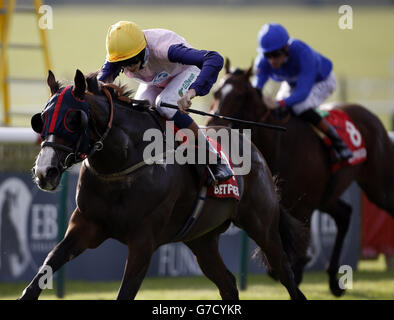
(169, 70)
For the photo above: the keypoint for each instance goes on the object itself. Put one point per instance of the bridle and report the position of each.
(74, 156)
(263, 117)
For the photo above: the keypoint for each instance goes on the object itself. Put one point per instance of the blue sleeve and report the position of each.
(210, 63)
(306, 78)
(262, 72)
(109, 71)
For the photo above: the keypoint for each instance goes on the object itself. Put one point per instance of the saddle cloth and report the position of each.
(348, 132)
(226, 189)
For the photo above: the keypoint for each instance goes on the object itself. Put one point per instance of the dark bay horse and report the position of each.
(10, 242)
(302, 162)
(146, 207)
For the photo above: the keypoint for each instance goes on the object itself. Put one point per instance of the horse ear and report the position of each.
(79, 85)
(52, 83)
(227, 65)
(92, 83)
(249, 72)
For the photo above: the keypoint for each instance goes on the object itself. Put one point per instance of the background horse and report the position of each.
(303, 162)
(145, 208)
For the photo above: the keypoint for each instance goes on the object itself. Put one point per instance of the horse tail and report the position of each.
(294, 238)
(293, 235)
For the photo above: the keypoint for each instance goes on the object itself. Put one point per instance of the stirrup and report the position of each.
(211, 179)
(335, 156)
(348, 154)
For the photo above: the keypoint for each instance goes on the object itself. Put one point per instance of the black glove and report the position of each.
(280, 113)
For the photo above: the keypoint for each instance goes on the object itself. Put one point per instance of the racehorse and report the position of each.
(302, 162)
(144, 205)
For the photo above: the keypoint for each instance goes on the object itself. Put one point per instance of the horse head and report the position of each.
(63, 126)
(78, 118)
(236, 97)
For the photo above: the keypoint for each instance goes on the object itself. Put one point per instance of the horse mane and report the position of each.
(238, 71)
(94, 86)
(123, 100)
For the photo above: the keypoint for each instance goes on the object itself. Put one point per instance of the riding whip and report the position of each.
(202, 113)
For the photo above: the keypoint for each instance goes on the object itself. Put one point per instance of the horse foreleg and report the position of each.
(341, 213)
(206, 249)
(80, 235)
(140, 251)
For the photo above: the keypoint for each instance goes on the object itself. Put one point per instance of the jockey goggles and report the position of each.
(275, 53)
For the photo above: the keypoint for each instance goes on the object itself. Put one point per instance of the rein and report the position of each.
(127, 171)
(99, 144)
(265, 115)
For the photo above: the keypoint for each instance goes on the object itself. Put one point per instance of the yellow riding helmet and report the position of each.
(124, 41)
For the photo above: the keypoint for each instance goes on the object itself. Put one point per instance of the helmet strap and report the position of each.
(146, 57)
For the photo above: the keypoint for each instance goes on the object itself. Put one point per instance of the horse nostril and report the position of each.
(52, 172)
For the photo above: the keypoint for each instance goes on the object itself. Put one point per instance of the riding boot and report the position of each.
(339, 146)
(218, 169)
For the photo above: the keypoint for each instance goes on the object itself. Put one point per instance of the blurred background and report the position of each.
(363, 58)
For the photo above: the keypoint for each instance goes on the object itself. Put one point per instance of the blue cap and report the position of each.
(272, 36)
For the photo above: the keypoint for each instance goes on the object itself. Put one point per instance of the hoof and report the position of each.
(335, 288)
(298, 269)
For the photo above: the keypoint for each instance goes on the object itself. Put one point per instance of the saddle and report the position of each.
(345, 128)
(223, 190)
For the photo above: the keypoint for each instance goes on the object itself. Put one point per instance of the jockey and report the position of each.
(307, 78)
(169, 70)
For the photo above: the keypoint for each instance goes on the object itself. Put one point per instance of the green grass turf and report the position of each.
(370, 281)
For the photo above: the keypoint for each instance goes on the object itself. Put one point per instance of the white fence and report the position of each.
(18, 135)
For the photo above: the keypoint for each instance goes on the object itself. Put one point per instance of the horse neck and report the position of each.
(262, 111)
(124, 145)
(280, 146)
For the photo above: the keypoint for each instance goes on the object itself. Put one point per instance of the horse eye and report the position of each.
(75, 120)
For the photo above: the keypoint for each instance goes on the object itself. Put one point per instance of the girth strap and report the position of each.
(202, 197)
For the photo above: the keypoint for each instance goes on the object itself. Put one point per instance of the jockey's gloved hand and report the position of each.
(270, 103)
(280, 113)
(185, 102)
